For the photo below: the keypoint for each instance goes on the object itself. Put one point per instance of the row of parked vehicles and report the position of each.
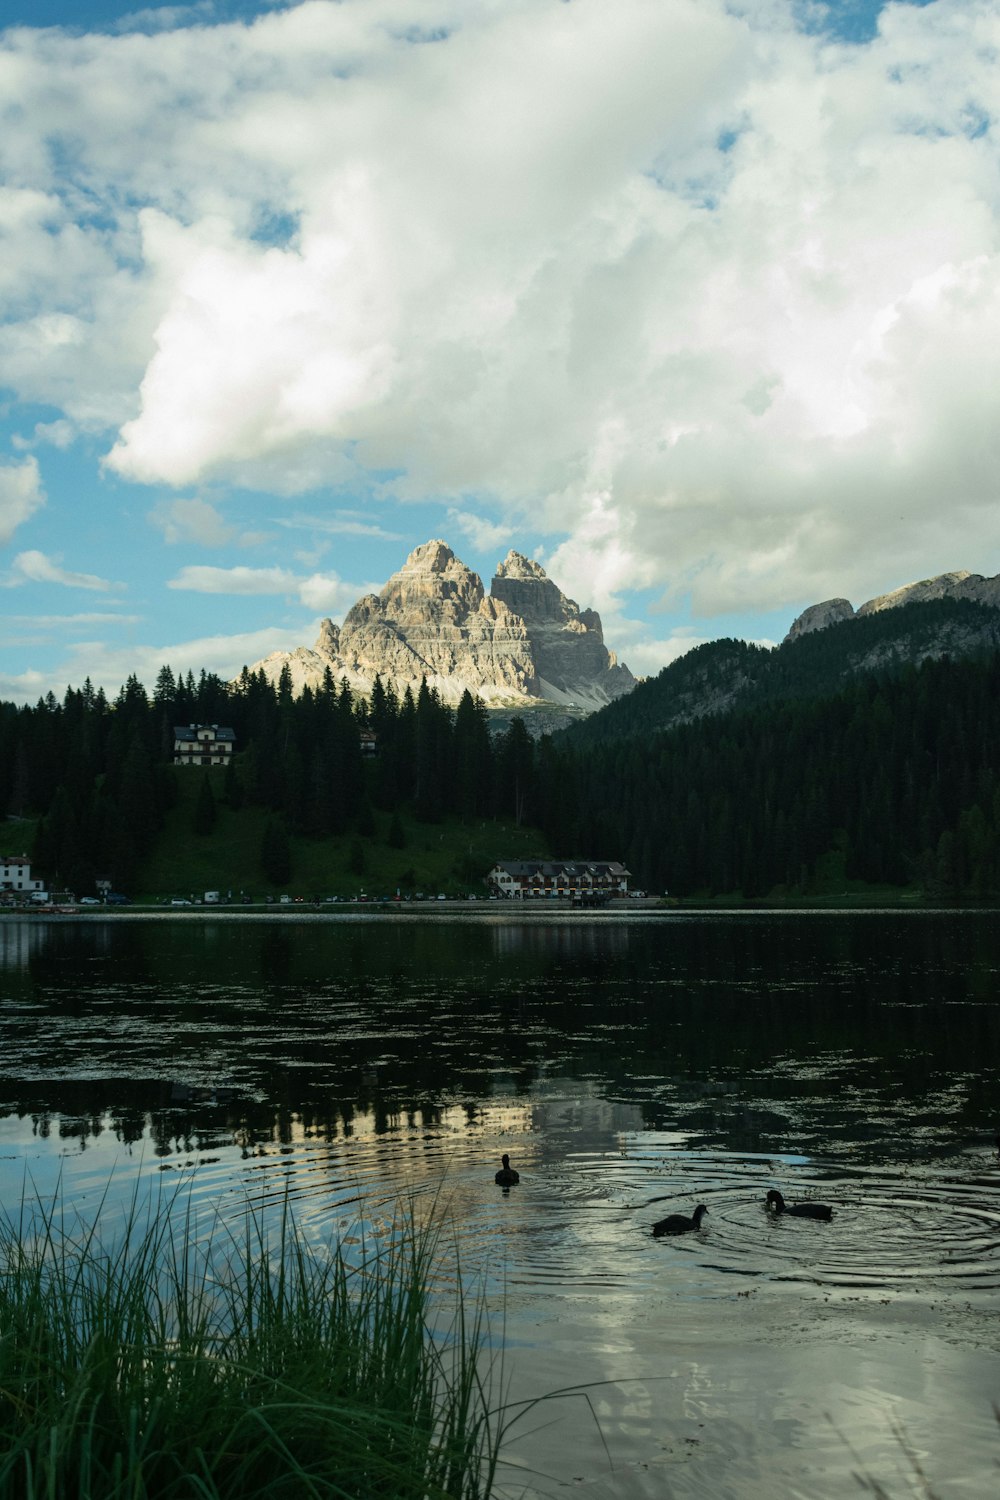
(242, 898)
(59, 900)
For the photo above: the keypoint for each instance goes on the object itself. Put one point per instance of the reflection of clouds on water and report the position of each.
(19, 940)
(631, 1070)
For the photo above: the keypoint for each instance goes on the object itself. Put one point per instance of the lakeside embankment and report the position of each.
(483, 908)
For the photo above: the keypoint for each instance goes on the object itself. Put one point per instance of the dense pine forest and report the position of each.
(99, 773)
(889, 780)
(892, 781)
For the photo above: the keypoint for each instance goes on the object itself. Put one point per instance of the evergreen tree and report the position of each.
(165, 688)
(473, 759)
(515, 771)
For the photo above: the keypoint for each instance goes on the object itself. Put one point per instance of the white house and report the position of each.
(203, 745)
(15, 874)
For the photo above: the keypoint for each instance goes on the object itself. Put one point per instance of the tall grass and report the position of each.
(161, 1363)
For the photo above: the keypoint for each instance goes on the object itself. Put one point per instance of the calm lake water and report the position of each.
(632, 1067)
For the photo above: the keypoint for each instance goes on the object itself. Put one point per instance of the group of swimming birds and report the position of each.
(680, 1223)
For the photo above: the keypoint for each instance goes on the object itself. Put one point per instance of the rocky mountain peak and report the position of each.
(819, 616)
(516, 565)
(328, 639)
(524, 642)
(432, 583)
(430, 557)
(958, 585)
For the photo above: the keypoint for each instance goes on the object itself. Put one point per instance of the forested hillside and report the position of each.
(890, 780)
(99, 774)
(731, 674)
(893, 780)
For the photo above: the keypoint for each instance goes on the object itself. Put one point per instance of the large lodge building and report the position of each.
(529, 879)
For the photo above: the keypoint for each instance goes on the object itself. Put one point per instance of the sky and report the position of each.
(696, 302)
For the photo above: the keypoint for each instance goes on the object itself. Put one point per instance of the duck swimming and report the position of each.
(680, 1223)
(506, 1177)
(798, 1210)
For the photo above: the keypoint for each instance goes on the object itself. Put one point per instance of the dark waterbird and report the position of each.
(798, 1210)
(506, 1177)
(680, 1223)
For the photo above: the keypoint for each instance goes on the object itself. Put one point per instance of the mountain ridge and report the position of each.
(728, 676)
(958, 585)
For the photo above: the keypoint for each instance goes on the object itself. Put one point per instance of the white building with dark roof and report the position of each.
(203, 745)
(15, 874)
(530, 879)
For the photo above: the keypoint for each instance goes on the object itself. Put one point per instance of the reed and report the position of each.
(162, 1362)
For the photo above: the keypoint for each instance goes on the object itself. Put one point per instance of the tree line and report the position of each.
(890, 780)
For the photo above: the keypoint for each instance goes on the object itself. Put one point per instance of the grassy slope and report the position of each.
(452, 857)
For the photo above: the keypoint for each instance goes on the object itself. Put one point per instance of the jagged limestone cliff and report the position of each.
(524, 642)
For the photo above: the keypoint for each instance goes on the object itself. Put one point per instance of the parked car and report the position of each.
(115, 898)
(177, 901)
(90, 900)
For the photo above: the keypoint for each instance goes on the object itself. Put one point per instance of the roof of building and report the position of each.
(188, 733)
(522, 867)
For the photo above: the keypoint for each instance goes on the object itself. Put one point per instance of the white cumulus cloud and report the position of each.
(192, 520)
(711, 301)
(108, 664)
(207, 580)
(21, 494)
(324, 593)
(37, 567)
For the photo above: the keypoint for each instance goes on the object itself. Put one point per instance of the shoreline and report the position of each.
(487, 910)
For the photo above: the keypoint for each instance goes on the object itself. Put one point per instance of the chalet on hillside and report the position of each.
(527, 879)
(203, 745)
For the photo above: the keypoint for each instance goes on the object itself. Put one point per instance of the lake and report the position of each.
(632, 1066)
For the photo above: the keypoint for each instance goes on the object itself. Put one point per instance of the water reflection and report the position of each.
(631, 1069)
(857, 1035)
